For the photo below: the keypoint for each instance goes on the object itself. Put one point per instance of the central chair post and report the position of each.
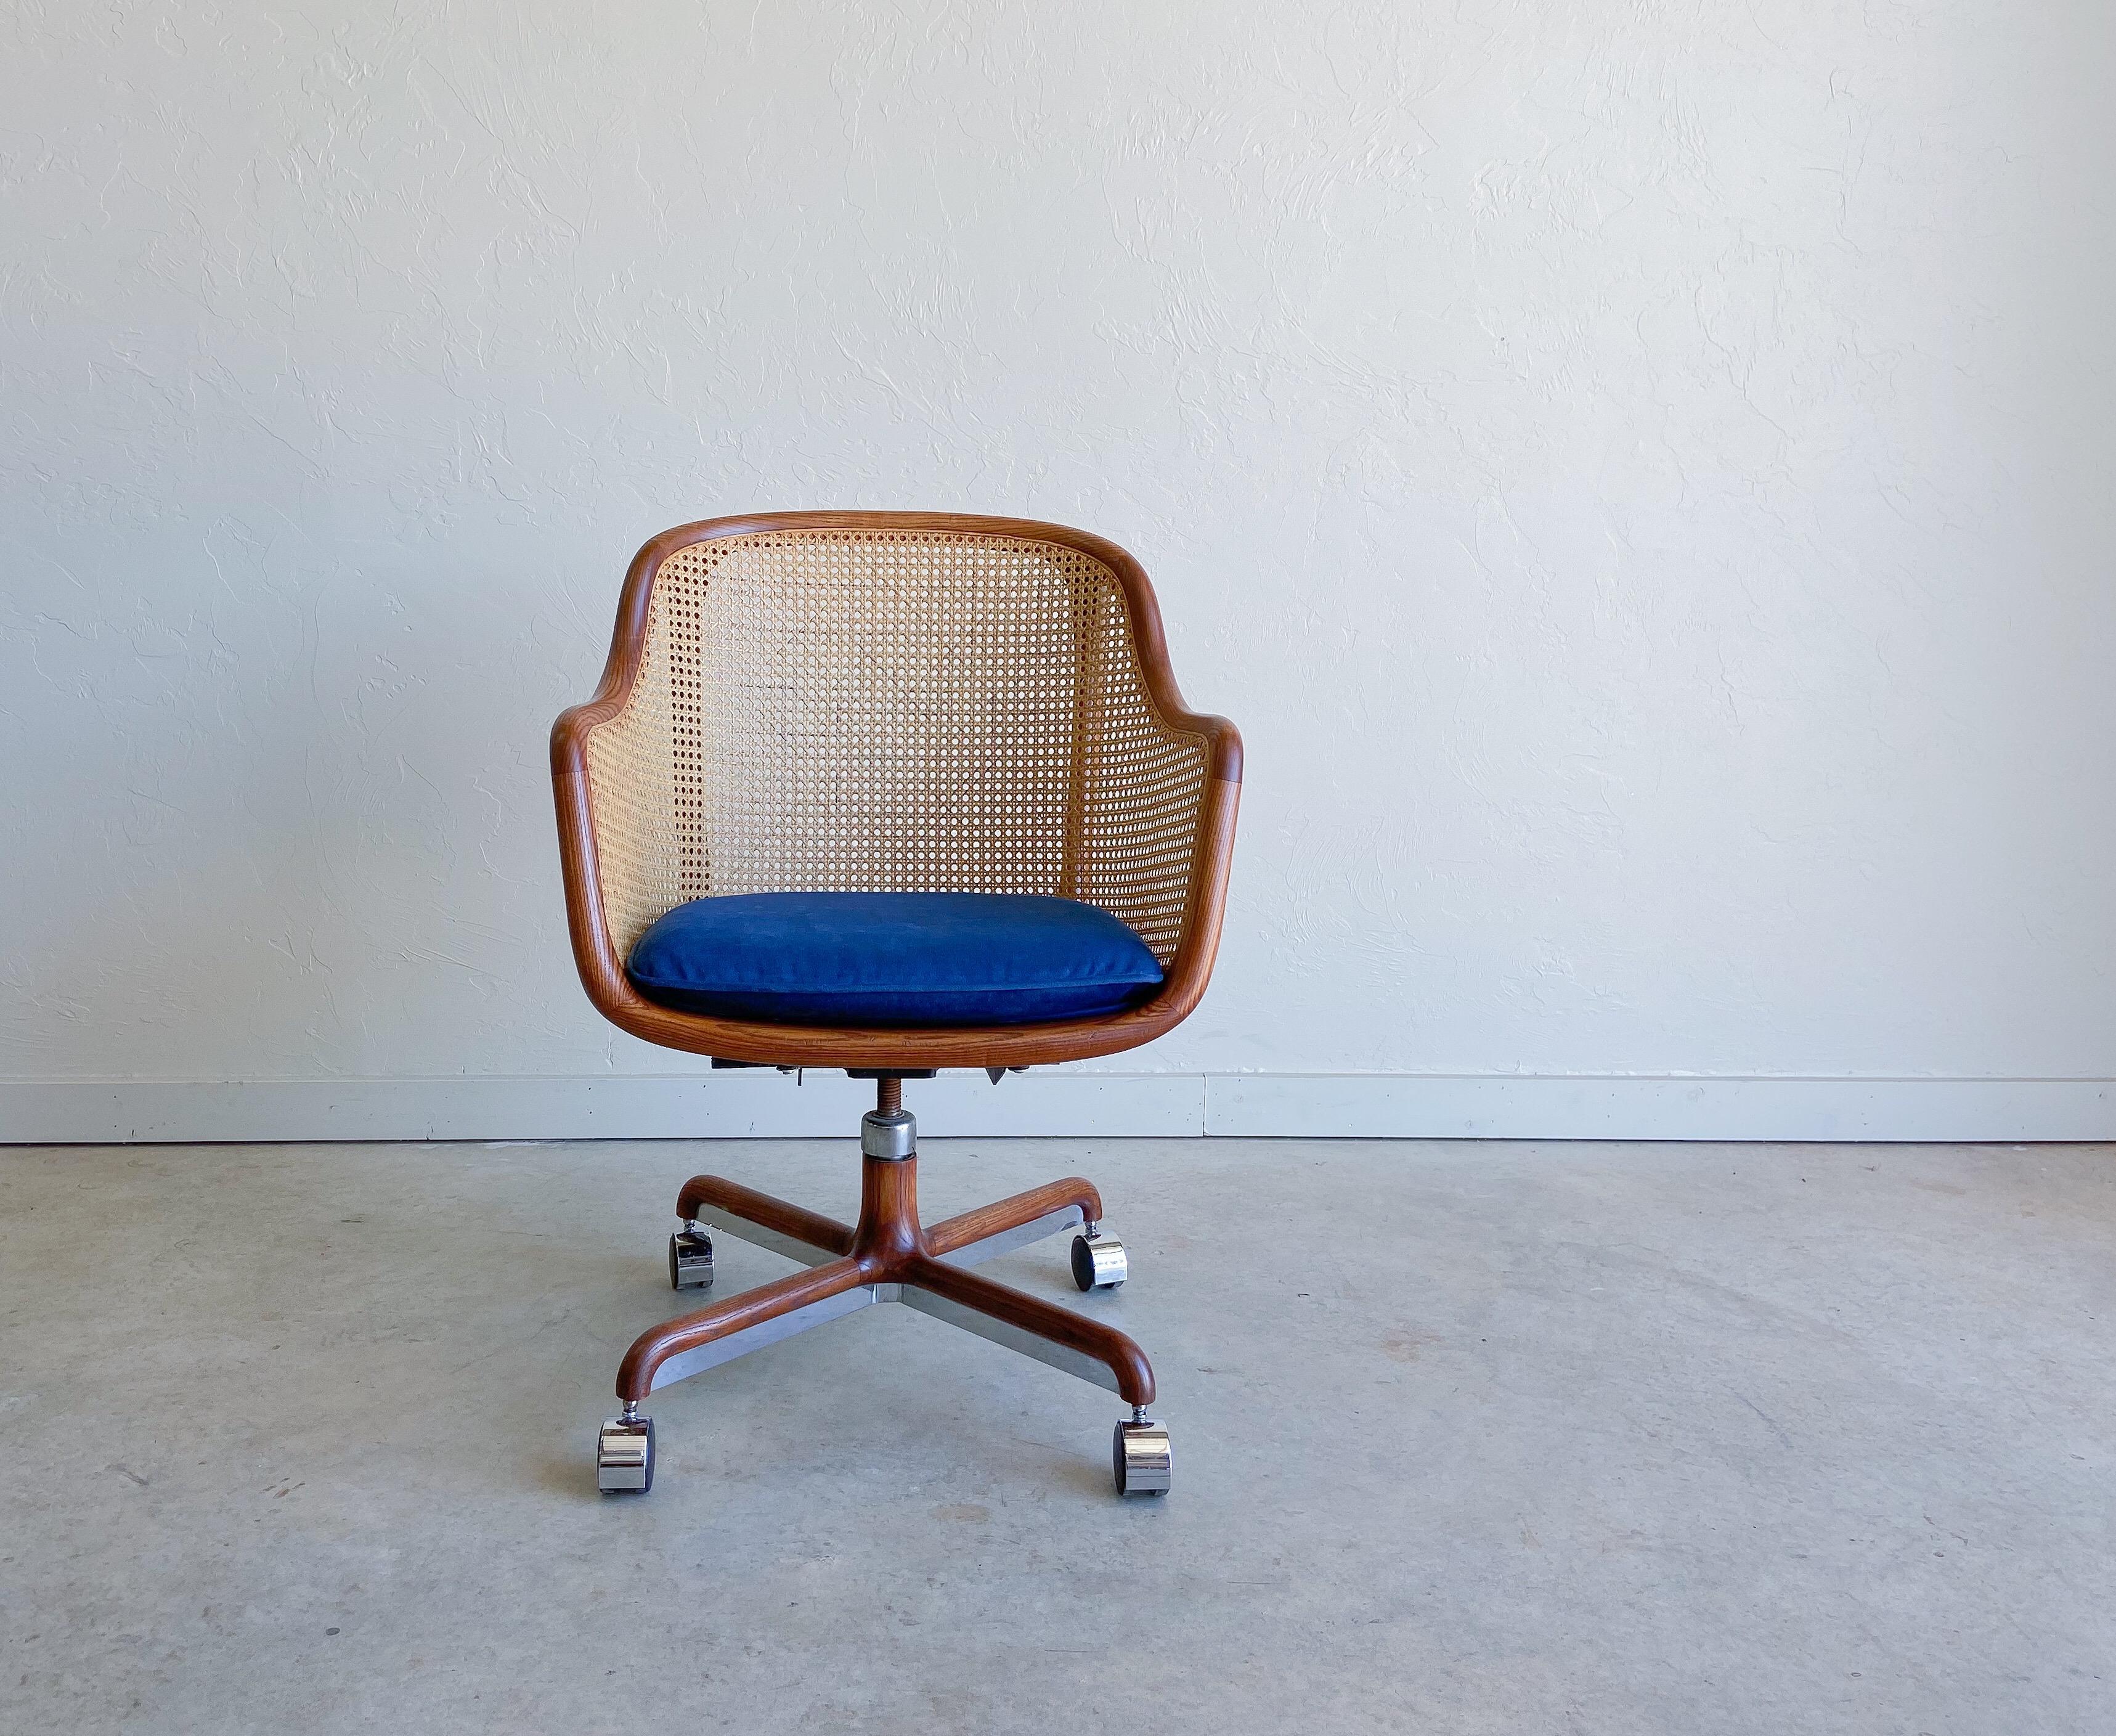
(888, 1234)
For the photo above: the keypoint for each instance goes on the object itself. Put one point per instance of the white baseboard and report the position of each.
(727, 1104)
(763, 1104)
(1486, 1107)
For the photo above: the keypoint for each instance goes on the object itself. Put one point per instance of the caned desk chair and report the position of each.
(892, 792)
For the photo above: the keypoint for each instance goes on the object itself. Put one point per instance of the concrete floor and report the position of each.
(1468, 1438)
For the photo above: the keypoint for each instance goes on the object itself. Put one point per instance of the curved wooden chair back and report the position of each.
(892, 702)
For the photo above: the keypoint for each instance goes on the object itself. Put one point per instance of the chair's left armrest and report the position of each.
(610, 780)
(1213, 747)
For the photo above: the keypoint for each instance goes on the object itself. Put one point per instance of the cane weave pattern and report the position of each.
(892, 710)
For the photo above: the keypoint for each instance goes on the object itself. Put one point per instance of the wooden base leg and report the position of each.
(751, 1207)
(1032, 1315)
(1010, 1213)
(635, 1375)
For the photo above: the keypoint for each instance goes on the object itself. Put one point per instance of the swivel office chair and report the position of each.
(892, 792)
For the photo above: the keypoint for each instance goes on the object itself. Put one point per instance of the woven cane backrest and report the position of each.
(876, 710)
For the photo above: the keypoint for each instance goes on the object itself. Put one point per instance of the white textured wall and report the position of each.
(1640, 475)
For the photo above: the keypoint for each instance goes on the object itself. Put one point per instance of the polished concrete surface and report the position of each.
(1468, 1438)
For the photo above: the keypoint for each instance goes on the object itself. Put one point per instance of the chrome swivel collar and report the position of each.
(892, 1135)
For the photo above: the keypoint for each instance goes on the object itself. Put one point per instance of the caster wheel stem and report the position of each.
(691, 1258)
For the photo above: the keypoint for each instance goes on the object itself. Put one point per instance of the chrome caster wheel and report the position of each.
(1099, 1261)
(690, 1258)
(1138, 1454)
(624, 1454)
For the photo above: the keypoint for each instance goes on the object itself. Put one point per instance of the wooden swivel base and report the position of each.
(889, 1257)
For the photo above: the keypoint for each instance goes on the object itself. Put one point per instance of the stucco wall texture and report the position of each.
(1638, 473)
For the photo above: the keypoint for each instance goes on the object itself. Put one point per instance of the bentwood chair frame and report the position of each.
(891, 701)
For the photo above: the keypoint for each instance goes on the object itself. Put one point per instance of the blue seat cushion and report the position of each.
(902, 959)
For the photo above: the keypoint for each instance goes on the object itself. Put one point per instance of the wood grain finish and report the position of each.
(888, 1245)
(597, 955)
(1106, 1344)
(635, 1375)
(1014, 1211)
(751, 1207)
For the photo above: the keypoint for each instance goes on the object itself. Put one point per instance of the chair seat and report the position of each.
(893, 958)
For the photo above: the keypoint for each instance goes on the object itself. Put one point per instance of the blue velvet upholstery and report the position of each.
(901, 958)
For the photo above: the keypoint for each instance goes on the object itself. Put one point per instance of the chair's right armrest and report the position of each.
(1201, 884)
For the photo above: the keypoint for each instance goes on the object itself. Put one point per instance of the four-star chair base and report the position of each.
(889, 1257)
